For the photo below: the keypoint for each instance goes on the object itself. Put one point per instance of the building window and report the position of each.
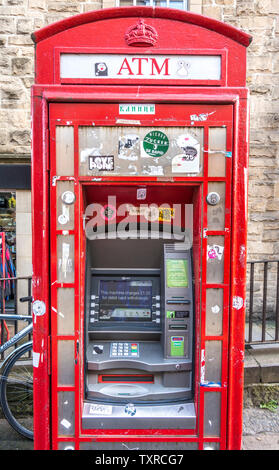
(178, 4)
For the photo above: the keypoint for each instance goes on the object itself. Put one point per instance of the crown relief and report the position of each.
(141, 34)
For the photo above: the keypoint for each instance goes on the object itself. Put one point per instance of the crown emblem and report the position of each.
(141, 34)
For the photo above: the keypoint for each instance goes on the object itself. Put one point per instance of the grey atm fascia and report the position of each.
(165, 398)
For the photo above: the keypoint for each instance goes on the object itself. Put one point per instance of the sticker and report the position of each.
(65, 216)
(201, 117)
(65, 258)
(182, 68)
(38, 308)
(155, 144)
(100, 410)
(108, 212)
(237, 302)
(177, 273)
(128, 121)
(98, 349)
(150, 213)
(177, 346)
(101, 69)
(165, 214)
(202, 366)
(128, 147)
(101, 163)
(136, 108)
(141, 193)
(130, 409)
(36, 359)
(65, 423)
(188, 160)
(215, 309)
(215, 252)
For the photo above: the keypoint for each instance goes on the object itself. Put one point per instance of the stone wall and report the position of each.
(260, 18)
(18, 18)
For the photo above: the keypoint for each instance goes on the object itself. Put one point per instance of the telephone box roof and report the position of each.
(146, 12)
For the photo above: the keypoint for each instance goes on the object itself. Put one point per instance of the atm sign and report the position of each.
(120, 66)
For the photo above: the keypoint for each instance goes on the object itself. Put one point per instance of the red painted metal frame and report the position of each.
(225, 233)
(65, 35)
(41, 216)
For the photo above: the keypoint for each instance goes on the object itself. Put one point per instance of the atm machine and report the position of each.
(139, 342)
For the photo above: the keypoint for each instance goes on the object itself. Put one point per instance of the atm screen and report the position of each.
(125, 300)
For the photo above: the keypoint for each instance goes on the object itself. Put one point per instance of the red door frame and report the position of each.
(42, 96)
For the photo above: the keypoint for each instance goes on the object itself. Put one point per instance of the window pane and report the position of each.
(64, 151)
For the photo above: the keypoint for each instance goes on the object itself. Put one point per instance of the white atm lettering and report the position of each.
(144, 66)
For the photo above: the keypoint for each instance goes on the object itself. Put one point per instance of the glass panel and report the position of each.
(66, 311)
(217, 139)
(65, 212)
(66, 363)
(64, 151)
(214, 312)
(217, 165)
(213, 362)
(66, 415)
(212, 414)
(66, 446)
(215, 259)
(211, 446)
(217, 160)
(126, 446)
(65, 258)
(141, 151)
(216, 214)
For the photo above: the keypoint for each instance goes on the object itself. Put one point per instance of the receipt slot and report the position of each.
(139, 180)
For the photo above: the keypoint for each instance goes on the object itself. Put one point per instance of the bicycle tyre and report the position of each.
(16, 392)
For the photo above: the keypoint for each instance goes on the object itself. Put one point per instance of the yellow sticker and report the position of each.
(166, 214)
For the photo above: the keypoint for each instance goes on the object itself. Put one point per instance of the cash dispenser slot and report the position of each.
(129, 378)
(139, 344)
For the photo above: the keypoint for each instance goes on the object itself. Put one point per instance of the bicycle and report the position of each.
(16, 379)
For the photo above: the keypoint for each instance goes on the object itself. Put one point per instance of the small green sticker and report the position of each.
(177, 346)
(177, 273)
(170, 314)
(155, 143)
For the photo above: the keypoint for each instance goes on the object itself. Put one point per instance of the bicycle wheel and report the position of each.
(16, 391)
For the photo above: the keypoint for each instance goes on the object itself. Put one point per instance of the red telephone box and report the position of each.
(140, 170)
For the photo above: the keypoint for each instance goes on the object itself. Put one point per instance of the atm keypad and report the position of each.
(124, 349)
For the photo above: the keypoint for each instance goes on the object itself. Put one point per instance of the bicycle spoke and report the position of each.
(17, 392)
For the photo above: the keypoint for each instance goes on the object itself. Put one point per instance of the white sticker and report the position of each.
(237, 302)
(65, 216)
(141, 193)
(215, 252)
(65, 423)
(36, 359)
(215, 309)
(136, 108)
(188, 161)
(201, 117)
(100, 410)
(65, 257)
(128, 147)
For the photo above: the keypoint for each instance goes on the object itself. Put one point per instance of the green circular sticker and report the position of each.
(155, 143)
